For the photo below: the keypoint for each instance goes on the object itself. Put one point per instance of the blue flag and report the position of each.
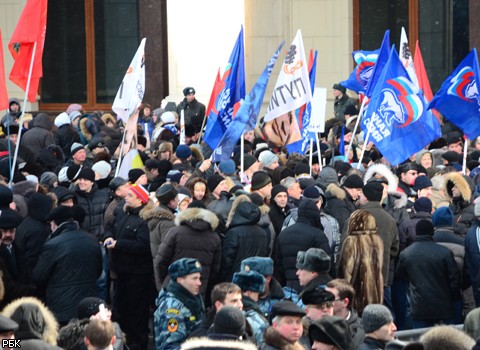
(358, 79)
(246, 117)
(233, 92)
(458, 99)
(341, 146)
(304, 116)
(379, 64)
(400, 124)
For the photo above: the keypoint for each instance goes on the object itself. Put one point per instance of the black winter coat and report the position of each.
(68, 268)
(192, 237)
(306, 233)
(40, 136)
(95, 203)
(65, 136)
(244, 239)
(436, 285)
(132, 254)
(339, 204)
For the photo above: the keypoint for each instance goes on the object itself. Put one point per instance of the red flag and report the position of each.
(423, 82)
(3, 86)
(217, 87)
(30, 29)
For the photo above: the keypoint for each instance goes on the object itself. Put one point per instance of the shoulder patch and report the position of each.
(173, 311)
(172, 325)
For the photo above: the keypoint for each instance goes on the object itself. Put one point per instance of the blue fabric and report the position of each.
(400, 124)
(358, 79)
(233, 91)
(246, 117)
(458, 99)
(379, 64)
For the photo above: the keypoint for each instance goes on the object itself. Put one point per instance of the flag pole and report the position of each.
(310, 156)
(121, 151)
(23, 113)
(201, 130)
(464, 163)
(319, 151)
(362, 106)
(242, 146)
(365, 143)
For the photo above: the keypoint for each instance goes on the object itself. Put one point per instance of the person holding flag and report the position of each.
(194, 110)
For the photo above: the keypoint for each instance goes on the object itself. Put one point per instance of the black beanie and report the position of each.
(353, 181)
(373, 191)
(278, 189)
(260, 179)
(424, 228)
(86, 173)
(213, 181)
(229, 320)
(134, 175)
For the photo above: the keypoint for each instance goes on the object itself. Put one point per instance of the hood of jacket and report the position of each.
(246, 213)
(35, 320)
(24, 188)
(274, 339)
(236, 202)
(309, 213)
(336, 191)
(151, 211)
(39, 206)
(457, 179)
(193, 217)
(383, 171)
(42, 120)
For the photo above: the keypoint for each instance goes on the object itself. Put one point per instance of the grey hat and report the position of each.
(250, 281)
(184, 267)
(166, 193)
(314, 260)
(258, 264)
(375, 316)
(327, 176)
(7, 325)
(116, 182)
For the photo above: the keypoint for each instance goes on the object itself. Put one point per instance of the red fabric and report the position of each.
(3, 86)
(30, 29)
(422, 77)
(217, 87)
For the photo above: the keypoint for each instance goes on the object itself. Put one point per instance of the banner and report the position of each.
(379, 64)
(3, 85)
(131, 91)
(31, 29)
(358, 79)
(406, 57)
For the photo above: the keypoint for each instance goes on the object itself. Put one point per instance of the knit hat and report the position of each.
(248, 161)
(375, 316)
(32, 178)
(301, 169)
(287, 308)
(188, 90)
(74, 107)
(229, 320)
(327, 176)
(75, 148)
(373, 191)
(184, 267)
(263, 266)
(48, 179)
(151, 164)
(260, 179)
(213, 181)
(317, 296)
(87, 174)
(183, 152)
(134, 175)
(278, 189)
(89, 307)
(174, 175)
(6, 196)
(312, 193)
(250, 281)
(74, 115)
(116, 182)
(9, 218)
(423, 204)
(61, 119)
(61, 214)
(72, 172)
(339, 87)
(166, 193)
(227, 167)
(421, 182)
(443, 216)
(314, 260)
(103, 168)
(424, 228)
(168, 117)
(267, 158)
(452, 157)
(353, 181)
(331, 330)
(140, 192)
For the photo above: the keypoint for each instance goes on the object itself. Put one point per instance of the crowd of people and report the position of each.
(320, 251)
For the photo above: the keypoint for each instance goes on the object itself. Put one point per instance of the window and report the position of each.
(442, 28)
(88, 46)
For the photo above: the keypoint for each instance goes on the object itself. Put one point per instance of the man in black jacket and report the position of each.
(194, 110)
(68, 266)
(436, 286)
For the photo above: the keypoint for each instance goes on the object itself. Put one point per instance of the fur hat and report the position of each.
(314, 260)
(188, 90)
(339, 87)
(229, 320)
(263, 266)
(166, 193)
(260, 179)
(353, 181)
(9, 218)
(373, 191)
(317, 296)
(423, 204)
(375, 316)
(184, 267)
(87, 174)
(424, 228)
(331, 330)
(250, 281)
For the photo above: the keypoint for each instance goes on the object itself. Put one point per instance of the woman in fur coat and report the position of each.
(361, 260)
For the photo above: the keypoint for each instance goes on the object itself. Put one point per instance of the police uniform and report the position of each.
(179, 312)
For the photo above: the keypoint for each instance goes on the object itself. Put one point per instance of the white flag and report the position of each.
(130, 93)
(406, 57)
(292, 89)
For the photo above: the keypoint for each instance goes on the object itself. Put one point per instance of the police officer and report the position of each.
(180, 307)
